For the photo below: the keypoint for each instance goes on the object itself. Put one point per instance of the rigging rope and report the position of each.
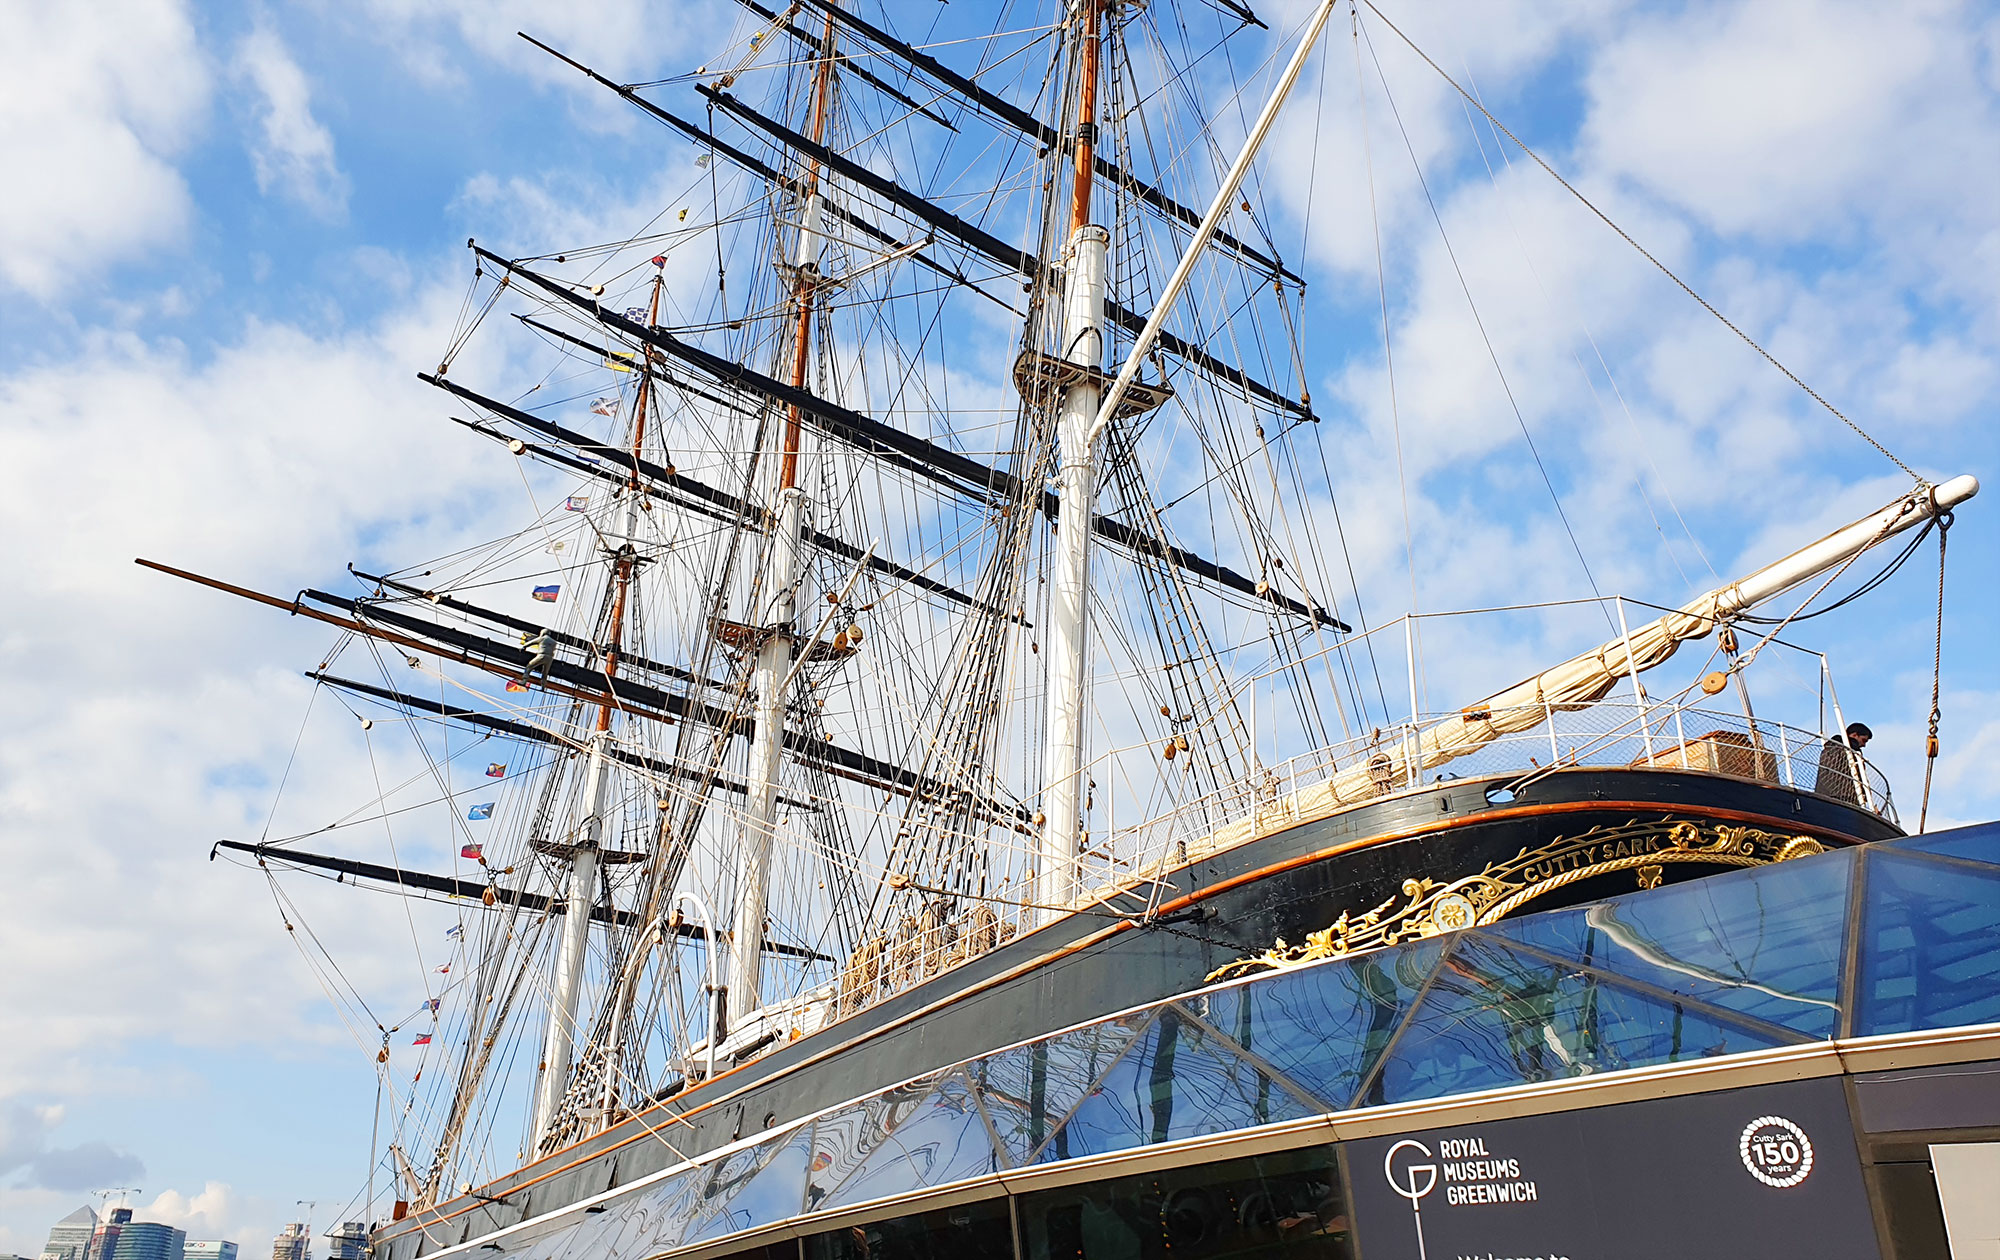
(1937, 676)
(1478, 321)
(1645, 253)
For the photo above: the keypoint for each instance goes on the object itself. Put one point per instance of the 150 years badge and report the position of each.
(1776, 1151)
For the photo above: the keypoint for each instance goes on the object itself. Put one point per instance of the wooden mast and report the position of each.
(627, 557)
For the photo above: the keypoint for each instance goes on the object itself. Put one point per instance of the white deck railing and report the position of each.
(1123, 865)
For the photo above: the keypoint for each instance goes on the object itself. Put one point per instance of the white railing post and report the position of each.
(1410, 743)
(1785, 754)
(1855, 765)
(1632, 669)
(1680, 734)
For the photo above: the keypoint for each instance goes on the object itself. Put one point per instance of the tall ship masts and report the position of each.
(948, 635)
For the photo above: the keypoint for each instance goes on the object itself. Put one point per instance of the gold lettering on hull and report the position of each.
(1428, 907)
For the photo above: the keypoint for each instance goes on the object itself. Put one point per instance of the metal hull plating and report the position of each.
(1216, 911)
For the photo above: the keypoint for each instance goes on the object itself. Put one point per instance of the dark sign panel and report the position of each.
(1753, 1173)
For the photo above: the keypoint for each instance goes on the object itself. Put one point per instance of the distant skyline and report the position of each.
(235, 231)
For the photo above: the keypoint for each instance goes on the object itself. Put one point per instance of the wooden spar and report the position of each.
(844, 763)
(626, 558)
(959, 229)
(469, 890)
(535, 734)
(848, 67)
(936, 463)
(298, 609)
(1086, 113)
(1027, 124)
(805, 278)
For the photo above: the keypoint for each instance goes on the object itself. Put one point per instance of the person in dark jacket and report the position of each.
(1838, 767)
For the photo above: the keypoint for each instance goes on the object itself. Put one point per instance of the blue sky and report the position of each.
(237, 232)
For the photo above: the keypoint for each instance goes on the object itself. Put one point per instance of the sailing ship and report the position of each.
(929, 636)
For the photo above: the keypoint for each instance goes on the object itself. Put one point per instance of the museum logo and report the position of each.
(1776, 1151)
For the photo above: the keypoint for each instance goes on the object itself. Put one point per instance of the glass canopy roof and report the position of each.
(1884, 938)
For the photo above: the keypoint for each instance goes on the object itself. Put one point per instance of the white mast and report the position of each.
(1076, 494)
(760, 808)
(772, 619)
(1069, 585)
(588, 841)
(560, 1039)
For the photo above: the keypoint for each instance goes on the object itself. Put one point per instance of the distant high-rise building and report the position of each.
(104, 1243)
(209, 1249)
(71, 1236)
(349, 1242)
(292, 1243)
(148, 1240)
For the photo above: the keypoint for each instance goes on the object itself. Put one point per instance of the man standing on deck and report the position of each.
(1838, 766)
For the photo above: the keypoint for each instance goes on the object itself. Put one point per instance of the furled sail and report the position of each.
(1587, 678)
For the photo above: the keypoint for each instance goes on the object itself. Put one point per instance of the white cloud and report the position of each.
(291, 150)
(28, 1155)
(95, 103)
(623, 39)
(214, 1211)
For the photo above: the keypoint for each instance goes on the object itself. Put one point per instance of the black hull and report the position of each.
(1219, 909)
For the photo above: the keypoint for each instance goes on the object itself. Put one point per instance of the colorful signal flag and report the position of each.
(576, 503)
(423, 1039)
(496, 770)
(547, 594)
(515, 684)
(480, 813)
(605, 406)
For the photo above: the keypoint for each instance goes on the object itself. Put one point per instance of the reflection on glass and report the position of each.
(1495, 1017)
(971, 1231)
(945, 1139)
(1244, 1209)
(1971, 844)
(1324, 1026)
(753, 1187)
(1029, 1089)
(659, 1217)
(1763, 942)
(1930, 945)
(1180, 1080)
(843, 1141)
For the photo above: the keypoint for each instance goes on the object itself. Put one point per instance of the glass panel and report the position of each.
(1765, 942)
(1324, 1026)
(585, 1238)
(754, 1187)
(1287, 1205)
(659, 1217)
(971, 1231)
(1973, 844)
(943, 1140)
(1930, 945)
(842, 1142)
(1495, 1017)
(1180, 1081)
(553, 1244)
(1029, 1089)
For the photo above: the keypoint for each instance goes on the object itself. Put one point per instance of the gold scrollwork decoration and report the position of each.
(1428, 907)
